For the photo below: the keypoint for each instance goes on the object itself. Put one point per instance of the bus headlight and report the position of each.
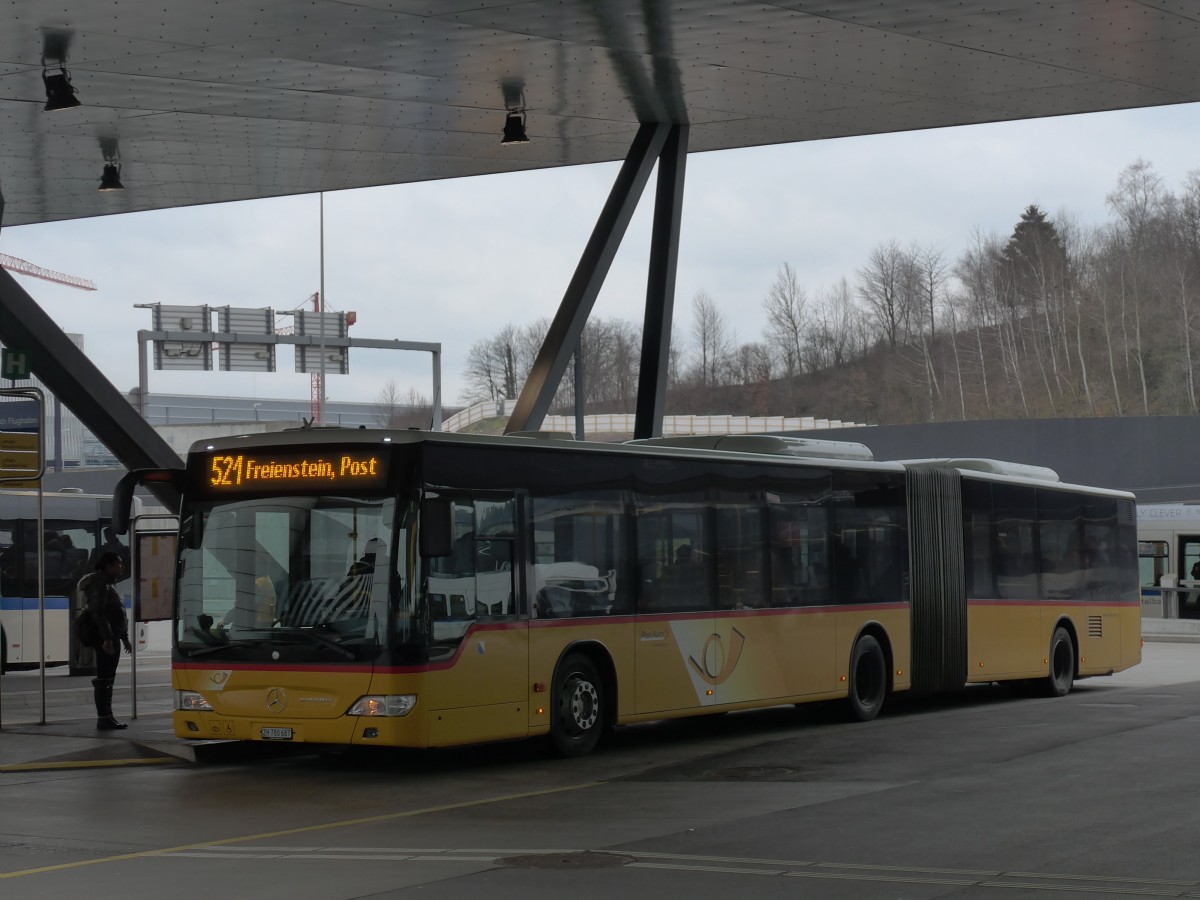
(190, 701)
(383, 705)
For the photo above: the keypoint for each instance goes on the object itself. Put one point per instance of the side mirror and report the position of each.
(167, 484)
(437, 527)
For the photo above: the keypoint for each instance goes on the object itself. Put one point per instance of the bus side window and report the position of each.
(579, 556)
(476, 579)
(1014, 542)
(799, 556)
(741, 557)
(9, 560)
(978, 557)
(675, 563)
(495, 530)
(870, 543)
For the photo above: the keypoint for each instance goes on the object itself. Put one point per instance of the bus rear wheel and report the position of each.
(1062, 664)
(868, 679)
(577, 717)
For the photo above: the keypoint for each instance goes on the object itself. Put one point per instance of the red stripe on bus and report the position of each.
(1081, 604)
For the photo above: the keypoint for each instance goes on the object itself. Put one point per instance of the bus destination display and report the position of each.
(230, 472)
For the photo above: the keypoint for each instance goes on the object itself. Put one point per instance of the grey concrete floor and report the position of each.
(982, 794)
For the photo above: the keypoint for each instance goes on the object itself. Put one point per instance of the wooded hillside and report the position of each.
(1056, 318)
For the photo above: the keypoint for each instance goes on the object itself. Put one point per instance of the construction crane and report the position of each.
(21, 267)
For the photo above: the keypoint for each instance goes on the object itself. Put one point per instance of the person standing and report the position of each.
(107, 611)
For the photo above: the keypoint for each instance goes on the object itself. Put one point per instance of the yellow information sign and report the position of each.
(19, 440)
(20, 458)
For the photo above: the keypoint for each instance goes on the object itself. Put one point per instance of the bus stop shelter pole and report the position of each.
(41, 578)
(37, 473)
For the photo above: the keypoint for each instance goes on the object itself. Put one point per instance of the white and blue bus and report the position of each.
(1168, 557)
(77, 528)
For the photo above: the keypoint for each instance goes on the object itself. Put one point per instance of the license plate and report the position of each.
(276, 734)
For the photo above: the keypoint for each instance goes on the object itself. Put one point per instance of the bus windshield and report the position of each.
(289, 579)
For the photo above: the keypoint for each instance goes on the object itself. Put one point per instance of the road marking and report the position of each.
(1015, 880)
(304, 829)
(680, 862)
(90, 764)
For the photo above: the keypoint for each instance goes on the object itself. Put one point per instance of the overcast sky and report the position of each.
(454, 261)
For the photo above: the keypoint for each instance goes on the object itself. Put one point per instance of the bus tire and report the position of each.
(577, 716)
(1062, 664)
(868, 679)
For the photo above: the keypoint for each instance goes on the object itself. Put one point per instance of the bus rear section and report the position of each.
(1045, 589)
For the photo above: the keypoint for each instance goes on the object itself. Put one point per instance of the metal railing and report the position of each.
(1169, 602)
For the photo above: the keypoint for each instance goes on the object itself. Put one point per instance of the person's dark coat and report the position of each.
(105, 606)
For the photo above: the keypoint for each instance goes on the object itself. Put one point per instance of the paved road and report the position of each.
(981, 795)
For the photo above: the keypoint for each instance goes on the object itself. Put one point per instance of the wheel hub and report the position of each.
(585, 705)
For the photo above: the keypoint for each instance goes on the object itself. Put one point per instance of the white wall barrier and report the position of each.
(673, 426)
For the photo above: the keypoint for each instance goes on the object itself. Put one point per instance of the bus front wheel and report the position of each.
(1062, 664)
(577, 717)
(868, 679)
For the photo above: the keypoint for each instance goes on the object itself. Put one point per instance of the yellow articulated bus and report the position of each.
(417, 589)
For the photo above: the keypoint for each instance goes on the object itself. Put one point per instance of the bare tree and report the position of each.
(838, 332)
(884, 284)
(974, 273)
(929, 276)
(753, 363)
(958, 369)
(498, 366)
(1078, 243)
(785, 305)
(714, 346)
(611, 362)
(395, 408)
(1136, 201)
(931, 269)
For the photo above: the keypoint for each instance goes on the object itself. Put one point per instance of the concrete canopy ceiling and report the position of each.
(213, 100)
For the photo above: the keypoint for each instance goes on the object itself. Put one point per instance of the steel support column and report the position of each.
(537, 394)
(660, 286)
(71, 376)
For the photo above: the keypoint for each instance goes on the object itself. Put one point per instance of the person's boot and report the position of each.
(108, 695)
(98, 698)
(104, 692)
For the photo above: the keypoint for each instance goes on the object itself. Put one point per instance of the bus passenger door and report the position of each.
(1189, 576)
(674, 637)
(480, 692)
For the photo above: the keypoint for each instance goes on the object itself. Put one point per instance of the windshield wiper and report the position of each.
(274, 636)
(216, 648)
(308, 632)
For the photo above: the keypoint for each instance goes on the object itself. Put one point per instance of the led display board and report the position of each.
(318, 470)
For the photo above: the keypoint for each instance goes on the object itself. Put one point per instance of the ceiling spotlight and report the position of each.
(59, 92)
(111, 179)
(514, 128)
